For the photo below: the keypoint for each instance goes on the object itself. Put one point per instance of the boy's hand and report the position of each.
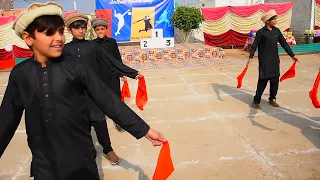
(155, 137)
(139, 75)
(249, 61)
(123, 78)
(294, 59)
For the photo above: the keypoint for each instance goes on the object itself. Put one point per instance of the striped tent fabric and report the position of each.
(231, 25)
(317, 15)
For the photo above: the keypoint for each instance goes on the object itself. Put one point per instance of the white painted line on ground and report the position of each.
(185, 81)
(233, 158)
(293, 152)
(296, 152)
(21, 131)
(230, 77)
(250, 149)
(123, 166)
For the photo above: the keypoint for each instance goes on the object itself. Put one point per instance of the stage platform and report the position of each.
(188, 51)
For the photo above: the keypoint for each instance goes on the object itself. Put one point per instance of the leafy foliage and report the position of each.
(186, 18)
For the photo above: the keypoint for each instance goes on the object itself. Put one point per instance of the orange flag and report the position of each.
(313, 94)
(142, 95)
(164, 165)
(290, 73)
(125, 92)
(240, 77)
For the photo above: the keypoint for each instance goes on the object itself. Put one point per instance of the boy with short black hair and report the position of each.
(53, 90)
(266, 40)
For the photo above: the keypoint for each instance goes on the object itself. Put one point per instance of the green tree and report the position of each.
(186, 19)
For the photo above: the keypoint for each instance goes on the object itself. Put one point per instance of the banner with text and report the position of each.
(132, 20)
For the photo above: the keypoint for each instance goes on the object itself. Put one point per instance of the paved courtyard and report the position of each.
(212, 130)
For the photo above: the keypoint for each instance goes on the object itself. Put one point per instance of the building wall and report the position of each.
(301, 17)
(6, 4)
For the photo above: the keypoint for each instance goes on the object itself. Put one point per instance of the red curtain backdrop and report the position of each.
(213, 14)
(7, 59)
(225, 39)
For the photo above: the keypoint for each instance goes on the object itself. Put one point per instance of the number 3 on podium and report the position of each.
(168, 42)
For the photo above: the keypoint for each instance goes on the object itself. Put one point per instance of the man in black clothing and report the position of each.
(266, 40)
(53, 89)
(107, 75)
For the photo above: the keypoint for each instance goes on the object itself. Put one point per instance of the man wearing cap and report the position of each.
(266, 40)
(53, 89)
(110, 77)
(91, 54)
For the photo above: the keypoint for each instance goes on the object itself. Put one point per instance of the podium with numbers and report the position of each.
(156, 40)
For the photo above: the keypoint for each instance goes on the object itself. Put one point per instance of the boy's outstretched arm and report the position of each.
(116, 65)
(114, 108)
(285, 45)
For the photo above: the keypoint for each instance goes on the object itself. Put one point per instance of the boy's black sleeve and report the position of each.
(117, 54)
(255, 44)
(115, 64)
(110, 104)
(285, 45)
(10, 113)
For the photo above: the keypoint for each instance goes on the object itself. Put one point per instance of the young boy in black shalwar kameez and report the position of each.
(53, 90)
(107, 74)
(91, 54)
(266, 40)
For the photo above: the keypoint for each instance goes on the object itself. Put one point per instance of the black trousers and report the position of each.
(98, 118)
(102, 135)
(262, 83)
(98, 121)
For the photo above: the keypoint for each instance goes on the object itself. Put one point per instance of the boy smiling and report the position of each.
(53, 90)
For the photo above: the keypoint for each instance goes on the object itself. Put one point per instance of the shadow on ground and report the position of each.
(308, 125)
(123, 163)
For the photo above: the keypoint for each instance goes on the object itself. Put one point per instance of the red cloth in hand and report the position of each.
(164, 165)
(313, 94)
(142, 95)
(240, 77)
(125, 92)
(290, 73)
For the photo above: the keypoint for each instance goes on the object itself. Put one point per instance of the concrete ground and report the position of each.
(212, 130)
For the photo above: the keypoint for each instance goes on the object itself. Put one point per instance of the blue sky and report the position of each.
(83, 6)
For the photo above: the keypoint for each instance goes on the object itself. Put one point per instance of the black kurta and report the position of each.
(269, 62)
(92, 54)
(101, 62)
(107, 75)
(54, 99)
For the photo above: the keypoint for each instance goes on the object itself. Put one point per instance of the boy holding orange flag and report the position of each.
(269, 62)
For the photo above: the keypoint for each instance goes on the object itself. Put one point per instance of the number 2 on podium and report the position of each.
(145, 44)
